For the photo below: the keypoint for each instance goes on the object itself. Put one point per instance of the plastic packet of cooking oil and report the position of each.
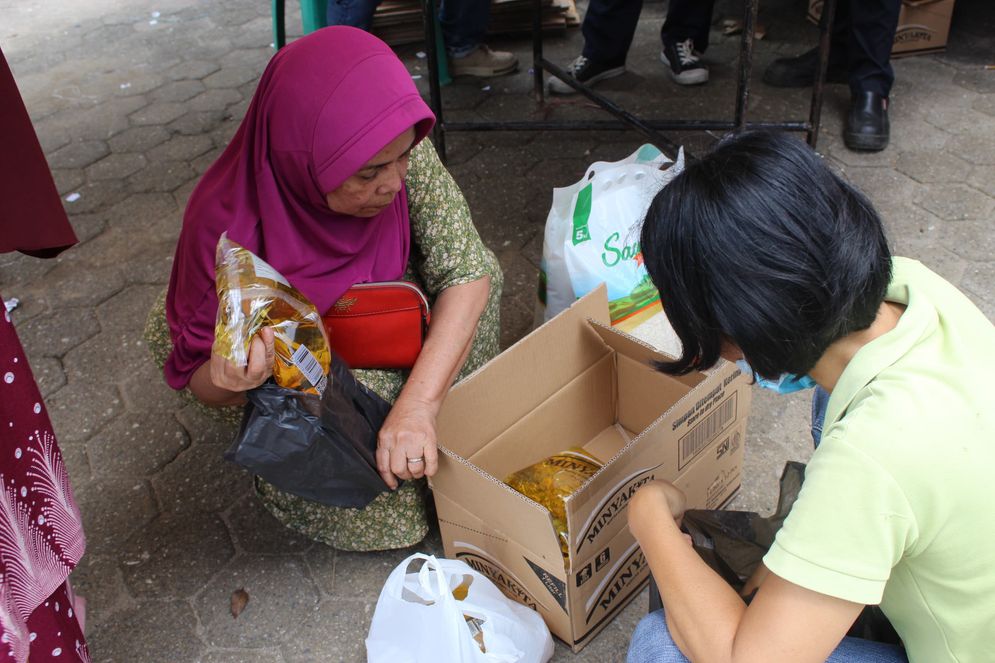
(550, 481)
(475, 624)
(253, 295)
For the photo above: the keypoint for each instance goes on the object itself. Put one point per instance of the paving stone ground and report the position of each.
(133, 99)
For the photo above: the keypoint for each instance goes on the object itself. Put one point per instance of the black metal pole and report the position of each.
(658, 139)
(537, 77)
(434, 89)
(279, 25)
(825, 40)
(619, 125)
(745, 63)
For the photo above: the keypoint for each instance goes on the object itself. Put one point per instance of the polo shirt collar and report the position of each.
(918, 320)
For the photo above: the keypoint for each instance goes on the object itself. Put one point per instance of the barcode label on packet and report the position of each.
(263, 270)
(309, 366)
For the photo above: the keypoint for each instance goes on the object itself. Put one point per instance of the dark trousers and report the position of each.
(863, 33)
(862, 36)
(464, 22)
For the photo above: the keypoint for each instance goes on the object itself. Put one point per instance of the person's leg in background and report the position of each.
(608, 29)
(800, 70)
(652, 643)
(356, 13)
(684, 36)
(464, 25)
(871, 33)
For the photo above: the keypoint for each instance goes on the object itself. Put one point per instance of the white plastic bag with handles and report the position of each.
(419, 620)
(592, 237)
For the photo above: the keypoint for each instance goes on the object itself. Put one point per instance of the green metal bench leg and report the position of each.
(442, 61)
(314, 15)
(279, 25)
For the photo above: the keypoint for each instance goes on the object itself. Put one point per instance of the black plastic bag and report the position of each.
(733, 543)
(322, 449)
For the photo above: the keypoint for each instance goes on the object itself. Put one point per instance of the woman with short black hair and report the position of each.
(762, 254)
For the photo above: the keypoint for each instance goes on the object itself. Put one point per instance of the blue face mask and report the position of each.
(786, 384)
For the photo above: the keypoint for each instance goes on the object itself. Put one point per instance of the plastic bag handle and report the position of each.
(394, 586)
(442, 585)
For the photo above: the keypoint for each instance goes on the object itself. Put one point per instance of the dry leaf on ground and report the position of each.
(239, 598)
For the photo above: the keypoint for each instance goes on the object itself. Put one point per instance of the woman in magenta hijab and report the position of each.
(329, 180)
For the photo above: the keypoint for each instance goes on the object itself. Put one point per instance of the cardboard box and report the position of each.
(923, 25)
(575, 381)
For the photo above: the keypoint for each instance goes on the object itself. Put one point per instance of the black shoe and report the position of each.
(584, 71)
(867, 128)
(685, 67)
(800, 70)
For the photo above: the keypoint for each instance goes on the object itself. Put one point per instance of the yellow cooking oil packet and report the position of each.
(550, 481)
(253, 295)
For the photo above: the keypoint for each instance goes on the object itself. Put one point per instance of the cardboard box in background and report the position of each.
(576, 382)
(923, 25)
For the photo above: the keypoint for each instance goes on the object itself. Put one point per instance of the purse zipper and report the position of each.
(404, 284)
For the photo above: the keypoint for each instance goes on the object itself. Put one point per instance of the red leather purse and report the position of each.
(379, 325)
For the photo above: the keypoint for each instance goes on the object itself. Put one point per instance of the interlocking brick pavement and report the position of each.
(132, 100)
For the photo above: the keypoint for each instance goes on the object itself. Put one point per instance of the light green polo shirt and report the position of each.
(897, 506)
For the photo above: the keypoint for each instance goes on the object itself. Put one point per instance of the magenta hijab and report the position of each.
(325, 105)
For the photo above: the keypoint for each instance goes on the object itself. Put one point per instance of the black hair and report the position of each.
(760, 244)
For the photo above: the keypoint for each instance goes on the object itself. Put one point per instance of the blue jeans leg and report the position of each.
(651, 643)
(464, 24)
(820, 399)
(355, 13)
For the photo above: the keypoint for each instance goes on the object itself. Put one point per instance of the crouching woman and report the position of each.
(329, 180)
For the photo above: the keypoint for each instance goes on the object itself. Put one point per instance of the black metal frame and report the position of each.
(626, 120)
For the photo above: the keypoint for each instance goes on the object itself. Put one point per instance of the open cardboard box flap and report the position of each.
(480, 407)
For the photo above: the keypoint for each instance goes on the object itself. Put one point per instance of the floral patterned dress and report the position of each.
(41, 533)
(446, 251)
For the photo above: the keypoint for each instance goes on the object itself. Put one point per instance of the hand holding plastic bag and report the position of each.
(418, 619)
(322, 449)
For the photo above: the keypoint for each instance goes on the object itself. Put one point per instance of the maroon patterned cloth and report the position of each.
(41, 534)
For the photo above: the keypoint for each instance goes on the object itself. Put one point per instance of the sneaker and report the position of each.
(799, 71)
(685, 67)
(484, 63)
(584, 71)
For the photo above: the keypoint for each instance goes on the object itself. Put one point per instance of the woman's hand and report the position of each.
(258, 368)
(219, 383)
(406, 445)
(652, 504)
